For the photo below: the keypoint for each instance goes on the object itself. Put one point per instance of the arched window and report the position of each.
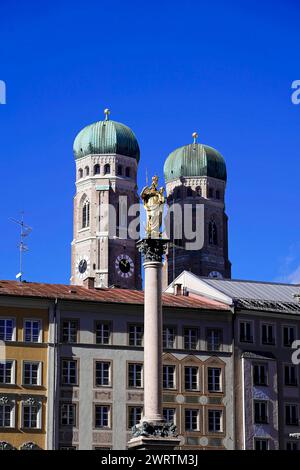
(107, 169)
(210, 192)
(198, 191)
(120, 170)
(80, 173)
(85, 214)
(87, 171)
(127, 172)
(97, 169)
(212, 233)
(189, 192)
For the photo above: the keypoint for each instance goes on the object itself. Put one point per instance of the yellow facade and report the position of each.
(20, 351)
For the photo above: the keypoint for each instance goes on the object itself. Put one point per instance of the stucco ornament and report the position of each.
(153, 200)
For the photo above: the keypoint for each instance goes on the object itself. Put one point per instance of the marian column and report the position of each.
(153, 432)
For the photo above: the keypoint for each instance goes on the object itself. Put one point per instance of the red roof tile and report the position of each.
(113, 295)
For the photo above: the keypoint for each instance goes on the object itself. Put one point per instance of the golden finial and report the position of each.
(195, 137)
(107, 113)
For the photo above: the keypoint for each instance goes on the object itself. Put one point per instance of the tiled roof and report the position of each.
(113, 295)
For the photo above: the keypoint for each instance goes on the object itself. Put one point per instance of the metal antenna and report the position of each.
(25, 230)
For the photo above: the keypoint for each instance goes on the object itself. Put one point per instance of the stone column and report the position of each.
(153, 432)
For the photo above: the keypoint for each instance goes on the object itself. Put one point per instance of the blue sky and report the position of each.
(166, 69)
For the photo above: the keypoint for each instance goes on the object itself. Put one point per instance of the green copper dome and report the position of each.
(195, 160)
(106, 137)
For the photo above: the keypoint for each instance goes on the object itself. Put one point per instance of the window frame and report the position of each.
(135, 325)
(39, 407)
(129, 409)
(135, 363)
(75, 320)
(209, 329)
(169, 327)
(109, 418)
(13, 334)
(251, 323)
(62, 359)
(40, 337)
(68, 425)
(259, 365)
(260, 421)
(39, 373)
(197, 344)
(13, 372)
(12, 415)
(110, 373)
(109, 324)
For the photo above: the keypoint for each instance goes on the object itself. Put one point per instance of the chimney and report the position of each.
(178, 289)
(89, 283)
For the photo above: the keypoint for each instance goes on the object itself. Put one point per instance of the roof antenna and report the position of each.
(25, 230)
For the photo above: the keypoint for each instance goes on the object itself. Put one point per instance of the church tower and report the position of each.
(196, 174)
(106, 155)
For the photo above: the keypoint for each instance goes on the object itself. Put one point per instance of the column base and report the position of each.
(154, 443)
(154, 435)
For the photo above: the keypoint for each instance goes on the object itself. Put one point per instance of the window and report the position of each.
(97, 169)
(87, 171)
(69, 372)
(260, 374)
(246, 332)
(102, 333)
(102, 374)
(69, 331)
(191, 378)
(288, 335)
(107, 169)
(6, 414)
(267, 334)
(135, 375)
(290, 375)
(134, 415)
(291, 415)
(169, 336)
(31, 416)
(290, 445)
(217, 194)
(32, 331)
(127, 172)
(136, 335)
(212, 233)
(261, 444)
(191, 419)
(177, 193)
(68, 414)
(6, 372)
(6, 329)
(190, 338)
(120, 170)
(31, 373)
(214, 339)
(214, 379)
(215, 418)
(80, 173)
(210, 192)
(260, 412)
(189, 192)
(169, 376)
(169, 415)
(85, 214)
(102, 416)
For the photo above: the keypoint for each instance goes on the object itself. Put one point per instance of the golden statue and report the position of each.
(153, 200)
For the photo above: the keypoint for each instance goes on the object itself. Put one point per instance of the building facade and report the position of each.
(24, 395)
(95, 367)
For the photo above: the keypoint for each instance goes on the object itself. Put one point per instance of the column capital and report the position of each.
(152, 249)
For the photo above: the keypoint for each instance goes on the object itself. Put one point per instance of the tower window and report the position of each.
(212, 233)
(86, 214)
(87, 171)
(210, 192)
(198, 191)
(127, 172)
(177, 193)
(80, 173)
(189, 192)
(107, 169)
(218, 195)
(120, 170)
(97, 169)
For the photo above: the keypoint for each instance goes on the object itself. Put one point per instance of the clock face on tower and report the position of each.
(82, 267)
(124, 266)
